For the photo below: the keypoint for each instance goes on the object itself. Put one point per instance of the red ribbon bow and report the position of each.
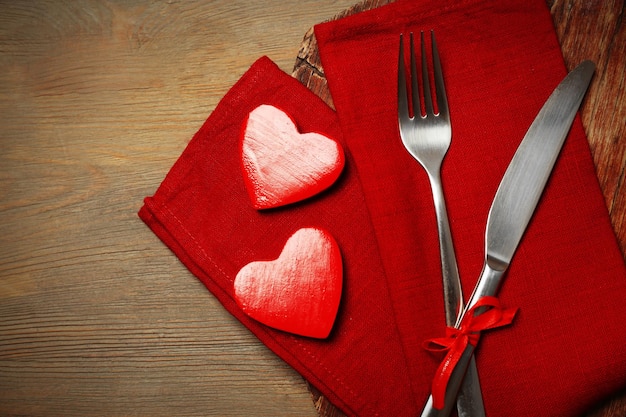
(456, 340)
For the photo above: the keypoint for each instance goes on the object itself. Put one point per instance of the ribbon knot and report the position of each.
(457, 339)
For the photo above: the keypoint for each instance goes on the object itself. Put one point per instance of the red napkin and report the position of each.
(501, 61)
(565, 349)
(203, 213)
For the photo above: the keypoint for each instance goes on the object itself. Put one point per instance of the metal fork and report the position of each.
(427, 137)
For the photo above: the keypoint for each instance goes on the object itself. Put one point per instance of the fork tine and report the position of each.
(428, 98)
(417, 110)
(442, 100)
(403, 104)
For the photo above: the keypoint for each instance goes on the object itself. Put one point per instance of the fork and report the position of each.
(427, 137)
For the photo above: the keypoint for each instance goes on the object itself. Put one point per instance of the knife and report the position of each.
(515, 201)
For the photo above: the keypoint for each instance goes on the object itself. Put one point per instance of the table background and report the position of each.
(97, 101)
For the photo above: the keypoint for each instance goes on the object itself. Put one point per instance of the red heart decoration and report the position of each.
(300, 291)
(280, 164)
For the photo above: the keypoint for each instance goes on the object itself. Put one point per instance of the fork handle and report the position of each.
(470, 400)
(452, 293)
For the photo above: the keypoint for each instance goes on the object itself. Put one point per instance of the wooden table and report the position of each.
(97, 100)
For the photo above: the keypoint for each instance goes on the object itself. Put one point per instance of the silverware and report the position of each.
(427, 138)
(516, 199)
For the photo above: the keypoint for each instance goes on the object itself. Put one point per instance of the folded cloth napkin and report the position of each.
(565, 349)
(203, 213)
(501, 60)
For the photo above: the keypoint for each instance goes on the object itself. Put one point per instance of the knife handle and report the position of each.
(469, 402)
(487, 285)
(453, 386)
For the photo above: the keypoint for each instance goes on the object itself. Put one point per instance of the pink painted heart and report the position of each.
(281, 165)
(298, 292)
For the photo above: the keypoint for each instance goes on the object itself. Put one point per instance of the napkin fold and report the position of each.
(501, 60)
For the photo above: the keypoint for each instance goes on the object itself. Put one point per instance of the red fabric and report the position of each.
(501, 60)
(203, 213)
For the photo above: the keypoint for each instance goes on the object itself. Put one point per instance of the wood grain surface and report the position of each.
(97, 101)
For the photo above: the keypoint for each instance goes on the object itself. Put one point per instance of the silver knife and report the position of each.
(515, 201)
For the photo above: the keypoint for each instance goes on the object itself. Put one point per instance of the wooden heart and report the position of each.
(299, 292)
(280, 164)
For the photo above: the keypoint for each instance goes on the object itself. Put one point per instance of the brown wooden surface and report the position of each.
(97, 100)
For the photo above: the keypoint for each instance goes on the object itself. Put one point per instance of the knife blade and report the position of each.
(515, 201)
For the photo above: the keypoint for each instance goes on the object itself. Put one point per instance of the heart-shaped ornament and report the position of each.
(299, 292)
(282, 165)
